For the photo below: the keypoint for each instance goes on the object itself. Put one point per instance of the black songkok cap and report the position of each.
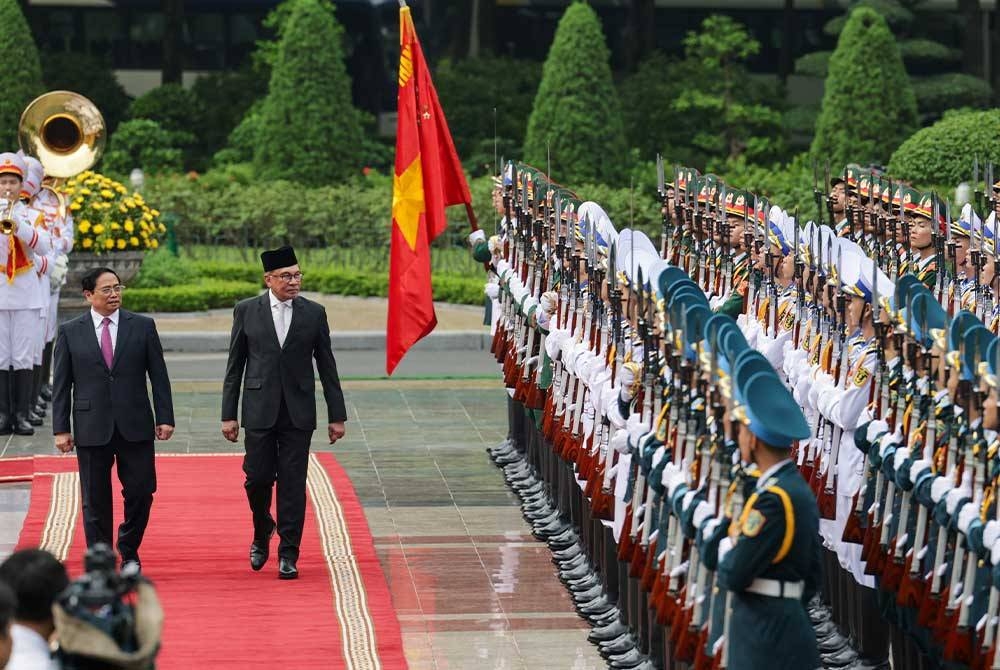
(278, 258)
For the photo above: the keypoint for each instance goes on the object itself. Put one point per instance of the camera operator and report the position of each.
(7, 604)
(108, 620)
(37, 579)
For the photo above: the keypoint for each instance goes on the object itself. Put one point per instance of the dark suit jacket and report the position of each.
(103, 398)
(273, 371)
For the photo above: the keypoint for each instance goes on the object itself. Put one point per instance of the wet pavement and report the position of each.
(470, 585)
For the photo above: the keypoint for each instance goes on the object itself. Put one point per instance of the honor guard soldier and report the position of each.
(771, 561)
(21, 246)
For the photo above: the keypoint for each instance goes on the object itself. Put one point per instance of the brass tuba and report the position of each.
(65, 131)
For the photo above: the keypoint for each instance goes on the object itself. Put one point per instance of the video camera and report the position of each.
(108, 619)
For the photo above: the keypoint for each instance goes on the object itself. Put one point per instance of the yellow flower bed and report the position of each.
(108, 217)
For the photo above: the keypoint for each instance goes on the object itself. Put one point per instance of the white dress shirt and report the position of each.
(30, 652)
(99, 327)
(281, 313)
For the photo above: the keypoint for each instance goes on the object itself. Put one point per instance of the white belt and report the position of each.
(777, 589)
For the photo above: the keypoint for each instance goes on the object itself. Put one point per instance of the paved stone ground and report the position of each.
(471, 587)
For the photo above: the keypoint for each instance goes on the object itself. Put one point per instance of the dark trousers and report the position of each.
(137, 474)
(278, 454)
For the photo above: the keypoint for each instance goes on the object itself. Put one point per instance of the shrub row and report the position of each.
(206, 294)
(209, 285)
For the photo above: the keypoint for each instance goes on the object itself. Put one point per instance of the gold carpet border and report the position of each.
(350, 600)
(60, 523)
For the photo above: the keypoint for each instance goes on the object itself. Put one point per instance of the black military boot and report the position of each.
(46, 391)
(22, 400)
(6, 411)
(36, 412)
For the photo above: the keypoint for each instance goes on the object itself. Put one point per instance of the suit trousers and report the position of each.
(137, 475)
(278, 454)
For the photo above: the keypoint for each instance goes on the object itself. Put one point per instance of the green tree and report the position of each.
(941, 154)
(576, 118)
(868, 105)
(732, 122)
(308, 130)
(471, 89)
(225, 98)
(935, 68)
(141, 143)
(88, 75)
(22, 79)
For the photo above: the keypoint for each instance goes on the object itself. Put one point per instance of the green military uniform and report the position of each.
(774, 565)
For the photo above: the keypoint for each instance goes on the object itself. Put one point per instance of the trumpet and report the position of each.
(7, 222)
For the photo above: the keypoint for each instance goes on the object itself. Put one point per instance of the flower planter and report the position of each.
(125, 263)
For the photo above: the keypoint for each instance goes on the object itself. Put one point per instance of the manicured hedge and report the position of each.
(210, 285)
(206, 294)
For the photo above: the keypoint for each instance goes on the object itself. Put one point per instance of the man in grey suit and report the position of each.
(101, 362)
(274, 340)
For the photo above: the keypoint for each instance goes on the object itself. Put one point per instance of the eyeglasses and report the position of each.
(108, 290)
(288, 276)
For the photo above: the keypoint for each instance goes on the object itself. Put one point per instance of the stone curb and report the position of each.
(194, 342)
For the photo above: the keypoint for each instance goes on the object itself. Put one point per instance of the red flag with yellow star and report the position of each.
(428, 177)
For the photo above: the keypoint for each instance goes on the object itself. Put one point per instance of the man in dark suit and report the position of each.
(274, 340)
(101, 362)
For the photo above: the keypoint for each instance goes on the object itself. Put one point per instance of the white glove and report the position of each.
(939, 488)
(672, 477)
(724, 546)
(701, 512)
(477, 236)
(965, 517)
(58, 275)
(917, 467)
(542, 318)
(549, 301)
(991, 532)
(876, 429)
(619, 442)
(494, 244)
(553, 342)
(492, 289)
(995, 553)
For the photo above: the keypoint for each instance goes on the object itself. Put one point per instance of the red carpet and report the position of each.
(219, 613)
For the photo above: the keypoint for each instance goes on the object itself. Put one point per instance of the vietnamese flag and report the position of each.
(428, 177)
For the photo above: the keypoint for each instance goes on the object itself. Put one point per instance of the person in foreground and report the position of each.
(773, 564)
(275, 337)
(37, 579)
(101, 363)
(8, 604)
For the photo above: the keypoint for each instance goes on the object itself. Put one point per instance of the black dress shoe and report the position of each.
(287, 569)
(839, 659)
(824, 628)
(131, 567)
(629, 659)
(606, 633)
(260, 550)
(46, 392)
(832, 643)
(34, 419)
(22, 426)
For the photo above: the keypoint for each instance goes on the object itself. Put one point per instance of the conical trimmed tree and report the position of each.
(22, 73)
(868, 105)
(309, 130)
(576, 111)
